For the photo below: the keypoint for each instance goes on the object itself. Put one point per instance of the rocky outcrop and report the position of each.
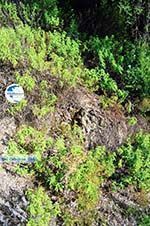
(100, 127)
(7, 129)
(13, 202)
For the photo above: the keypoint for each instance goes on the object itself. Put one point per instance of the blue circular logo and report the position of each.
(14, 93)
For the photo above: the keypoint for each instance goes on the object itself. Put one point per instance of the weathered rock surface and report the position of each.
(7, 129)
(121, 208)
(100, 127)
(12, 199)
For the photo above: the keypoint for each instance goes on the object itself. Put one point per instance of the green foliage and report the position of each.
(137, 67)
(132, 121)
(33, 41)
(144, 105)
(135, 158)
(8, 14)
(27, 12)
(41, 210)
(89, 175)
(82, 173)
(26, 81)
(47, 101)
(144, 221)
(30, 140)
(127, 62)
(29, 47)
(126, 19)
(65, 57)
(17, 108)
(107, 102)
(23, 46)
(109, 53)
(69, 169)
(9, 45)
(129, 12)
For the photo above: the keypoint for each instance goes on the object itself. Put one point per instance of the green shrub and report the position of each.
(41, 210)
(28, 11)
(137, 68)
(68, 168)
(134, 158)
(30, 140)
(109, 53)
(132, 121)
(26, 81)
(88, 177)
(46, 102)
(17, 108)
(65, 57)
(144, 221)
(23, 46)
(8, 14)
(29, 47)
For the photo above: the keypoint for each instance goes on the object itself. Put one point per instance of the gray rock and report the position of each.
(100, 127)
(13, 202)
(7, 129)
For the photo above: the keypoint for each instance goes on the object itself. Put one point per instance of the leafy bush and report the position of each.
(68, 168)
(109, 53)
(33, 13)
(65, 57)
(121, 64)
(8, 14)
(134, 162)
(137, 68)
(30, 141)
(26, 81)
(23, 46)
(29, 47)
(47, 100)
(144, 221)
(17, 108)
(33, 40)
(89, 175)
(40, 209)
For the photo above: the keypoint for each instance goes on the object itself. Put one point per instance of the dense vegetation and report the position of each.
(103, 46)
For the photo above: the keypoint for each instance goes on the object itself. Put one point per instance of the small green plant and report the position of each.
(41, 210)
(137, 66)
(65, 57)
(47, 101)
(135, 158)
(144, 105)
(88, 177)
(132, 121)
(26, 81)
(30, 141)
(144, 221)
(23, 46)
(107, 102)
(17, 108)
(108, 58)
(8, 14)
